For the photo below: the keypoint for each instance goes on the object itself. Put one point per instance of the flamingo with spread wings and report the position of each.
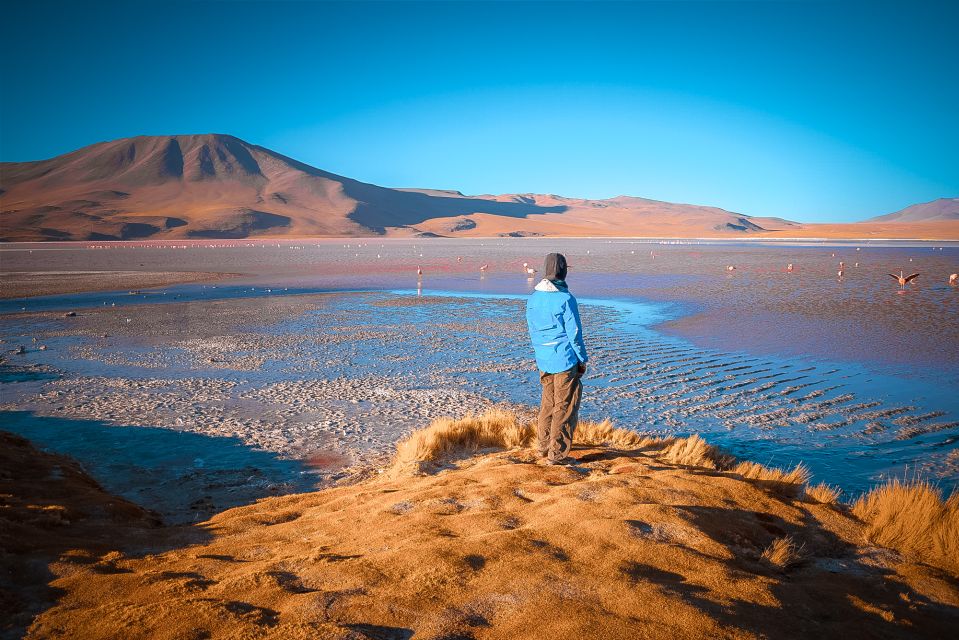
(903, 280)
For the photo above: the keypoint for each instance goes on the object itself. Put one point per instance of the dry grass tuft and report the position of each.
(912, 518)
(789, 483)
(823, 493)
(605, 434)
(783, 553)
(695, 452)
(446, 437)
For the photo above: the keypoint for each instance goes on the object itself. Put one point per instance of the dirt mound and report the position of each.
(52, 512)
(620, 544)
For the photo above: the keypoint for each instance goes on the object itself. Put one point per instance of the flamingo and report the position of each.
(841, 265)
(730, 268)
(903, 280)
(789, 267)
(954, 279)
(419, 272)
(484, 267)
(530, 271)
(839, 274)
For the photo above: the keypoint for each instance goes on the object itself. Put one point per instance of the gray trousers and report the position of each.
(558, 412)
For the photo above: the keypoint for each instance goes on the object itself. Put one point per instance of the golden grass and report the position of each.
(695, 452)
(783, 553)
(913, 518)
(605, 434)
(790, 483)
(448, 438)
(823, 493)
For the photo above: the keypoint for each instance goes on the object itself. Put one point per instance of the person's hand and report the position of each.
(581, 368)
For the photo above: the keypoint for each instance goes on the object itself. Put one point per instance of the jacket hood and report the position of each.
(549, 286)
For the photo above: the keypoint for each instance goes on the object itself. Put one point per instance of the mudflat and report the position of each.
(24, 284)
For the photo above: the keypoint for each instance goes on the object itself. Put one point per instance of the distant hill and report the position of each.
(938, 210)
(205, 186)
(218, 186)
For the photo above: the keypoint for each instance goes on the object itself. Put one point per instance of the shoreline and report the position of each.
(16, 245)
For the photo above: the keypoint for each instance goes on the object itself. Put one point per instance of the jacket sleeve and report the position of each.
(529, 322)
(574, 328)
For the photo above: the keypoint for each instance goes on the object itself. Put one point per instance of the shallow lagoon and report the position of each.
(292, 367)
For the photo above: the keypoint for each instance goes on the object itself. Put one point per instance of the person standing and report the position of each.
(556, 332)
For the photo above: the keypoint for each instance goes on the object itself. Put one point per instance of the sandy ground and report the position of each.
(620, 545)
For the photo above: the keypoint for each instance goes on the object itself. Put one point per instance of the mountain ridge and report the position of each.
(939, 209)
(220, 186)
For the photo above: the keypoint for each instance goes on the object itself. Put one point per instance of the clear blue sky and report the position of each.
(814, 111)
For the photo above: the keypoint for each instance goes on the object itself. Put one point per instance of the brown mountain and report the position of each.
(218, 186)
(204, 186)
(619, 216)
(938, 210)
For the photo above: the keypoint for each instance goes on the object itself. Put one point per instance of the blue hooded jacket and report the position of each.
(554, 328)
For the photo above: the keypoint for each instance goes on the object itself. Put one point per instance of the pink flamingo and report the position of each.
(789, 267)
(903, 280)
